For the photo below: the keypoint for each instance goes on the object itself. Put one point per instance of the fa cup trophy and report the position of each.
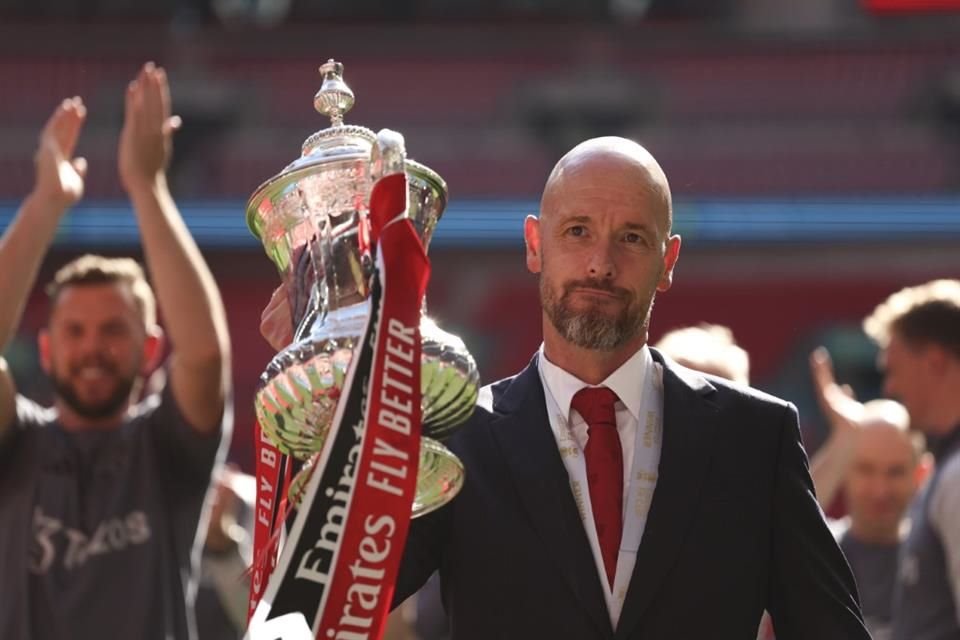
(347, 225)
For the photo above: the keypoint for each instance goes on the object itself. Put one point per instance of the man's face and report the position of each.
(882, 479)
(906, 379)
(94, 348)
(602, 251)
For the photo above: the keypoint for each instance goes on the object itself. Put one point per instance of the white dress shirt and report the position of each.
(641, 453)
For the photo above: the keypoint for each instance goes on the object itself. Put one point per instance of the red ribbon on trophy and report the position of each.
(273, 482)
(334, 579)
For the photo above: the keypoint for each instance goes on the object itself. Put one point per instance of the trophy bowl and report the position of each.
(312, 221)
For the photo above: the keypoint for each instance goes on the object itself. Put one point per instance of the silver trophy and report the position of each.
(312, 221)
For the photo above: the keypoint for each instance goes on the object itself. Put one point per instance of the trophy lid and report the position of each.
(325, 149)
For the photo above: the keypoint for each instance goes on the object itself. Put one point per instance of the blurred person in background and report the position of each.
(101, 496)
(875, 461)
(708, 348)
(224, 586)
(918, 331)
(870, 456)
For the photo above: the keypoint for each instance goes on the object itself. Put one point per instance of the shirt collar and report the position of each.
(627, 381)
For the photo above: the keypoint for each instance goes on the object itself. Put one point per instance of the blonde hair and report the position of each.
(709, 348)
(93, 269)
(923, 314)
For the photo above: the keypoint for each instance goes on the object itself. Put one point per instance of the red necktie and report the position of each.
(604, 457)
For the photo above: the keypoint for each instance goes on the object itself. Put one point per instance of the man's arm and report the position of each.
(185, 288)
(830, 464)
(422, 554)
(812, 591)
(58, 186)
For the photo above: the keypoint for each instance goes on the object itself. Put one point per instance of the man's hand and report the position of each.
(828, 467)
(276, 324)
(59, 181)
(841, 408)
(58, 186)
(146, 142)
(224, 531)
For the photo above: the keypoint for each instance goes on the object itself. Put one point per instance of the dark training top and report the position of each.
(99, 530)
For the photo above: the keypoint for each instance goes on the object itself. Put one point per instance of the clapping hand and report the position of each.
(146, 142)
(59, 176)
(841, 408)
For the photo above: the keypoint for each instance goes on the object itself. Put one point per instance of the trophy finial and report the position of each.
(334, 98)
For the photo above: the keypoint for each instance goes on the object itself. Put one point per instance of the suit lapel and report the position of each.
(530, 450)
(689, 426)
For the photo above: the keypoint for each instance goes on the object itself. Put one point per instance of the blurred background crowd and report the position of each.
(813, 149)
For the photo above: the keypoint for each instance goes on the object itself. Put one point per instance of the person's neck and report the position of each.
(73, 422)
(589, 365)
(879, 536)
(946, 418)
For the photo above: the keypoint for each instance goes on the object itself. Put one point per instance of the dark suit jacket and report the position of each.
(733, 529)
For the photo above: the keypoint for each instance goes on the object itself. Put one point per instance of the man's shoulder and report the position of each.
(752, 420)
(840, 527)
(490, 394)
(148, 406)
(31, 414)
(722, 391)
(486, 410)
(26, 436)
(506, 395)
(157, 410)
(744, 393)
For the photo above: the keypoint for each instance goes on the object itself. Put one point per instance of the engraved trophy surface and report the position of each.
(312, 221)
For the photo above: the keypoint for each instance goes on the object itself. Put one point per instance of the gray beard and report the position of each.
(592, 329)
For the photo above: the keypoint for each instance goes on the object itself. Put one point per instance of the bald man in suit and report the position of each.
(610, 492)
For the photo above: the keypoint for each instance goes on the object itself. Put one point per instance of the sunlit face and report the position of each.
(94, 348)
(906, 379)
(881, 480)
(602, 250)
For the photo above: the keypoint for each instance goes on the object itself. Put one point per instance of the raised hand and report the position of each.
(841, 408)
(59, 176)
(146, 142)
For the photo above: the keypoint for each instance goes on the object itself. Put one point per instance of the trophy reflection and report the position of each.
(312, 221)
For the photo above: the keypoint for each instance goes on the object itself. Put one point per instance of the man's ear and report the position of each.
(923, 469)
(152, 350)
(531, 236)
(43, 345)
(670, 257)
